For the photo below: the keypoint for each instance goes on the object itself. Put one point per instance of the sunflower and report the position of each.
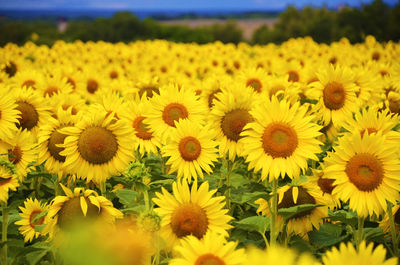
(143, 140)
(29, 78)
(230, 114)
(191, 150)
(190, 212)
(32, 208)
(148, 86)
(8, 179)
(302, 222)
(97, 147)
(210, 87)
(34, 111)
(72, 103)
(9, 115)
(372, 121)
(49, 138)
(53, 85)
(347, 254)
(385, 223)
(325, 187)
(336, 94)
(77, 206)
(22, 151)
(172, 104)
(281, 139)
(366, 171)
(255, 78)
(212, 249)
(93, 83)
(278, 255)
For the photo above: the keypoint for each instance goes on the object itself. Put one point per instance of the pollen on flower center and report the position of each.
(190, 148)
(279, 140)
(365, 171)
(97, 145)
(141, 129)
(233, 122)
(209, 259)
(29, 116)
(334, 96)
(55, 139)
(174, 112)
(189, 219)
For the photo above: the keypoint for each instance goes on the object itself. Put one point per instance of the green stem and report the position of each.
(4, 234)
(393, 231)
(265, 240)
(274, 213)
(359, 235)
(229, 167)
(146, 200)
(103, 188)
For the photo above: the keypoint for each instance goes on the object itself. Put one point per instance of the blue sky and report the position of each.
(173, 4)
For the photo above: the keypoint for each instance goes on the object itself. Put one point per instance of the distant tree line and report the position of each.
(322, 24)
(325, 26)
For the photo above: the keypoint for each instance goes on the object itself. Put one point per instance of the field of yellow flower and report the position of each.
(164, 153)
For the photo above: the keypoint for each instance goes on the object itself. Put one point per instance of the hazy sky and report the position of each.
(173, 4)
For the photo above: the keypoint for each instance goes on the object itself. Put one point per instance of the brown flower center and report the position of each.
(365, 171)
(212, 97)
(74, 111)
(233, 122)
(97, 145)
(113, 74)
(50, 91)
(11, 69)
(149, 90)
(71, 212)
(325, 185)
(40, 221)
(92, 86)
(174, 112)
(209, 259)
(255, 84)
(71, 82)
(334, 95)
(55, 139)
(279, 140)
(29, 116)
(141, 128)
(293, 76)
(394, 105)
(303, 198)
(4, 181)
(190, 148)
(29, 84)
(370, 130)
(189, 219)
(375, 56)
(275, 89)
(15, 155)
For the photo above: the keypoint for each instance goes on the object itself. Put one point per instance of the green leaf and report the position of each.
(257, 223)
(37, 217)
(39, 228)
(34, 257)
(126, 197)
(322, 239)
(287, 213)
(375, 234)
(346, 217)
(253, 196)
(136, 209)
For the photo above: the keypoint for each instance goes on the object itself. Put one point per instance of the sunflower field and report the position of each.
(156, 152)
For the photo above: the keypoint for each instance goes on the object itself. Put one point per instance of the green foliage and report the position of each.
(326, 26)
